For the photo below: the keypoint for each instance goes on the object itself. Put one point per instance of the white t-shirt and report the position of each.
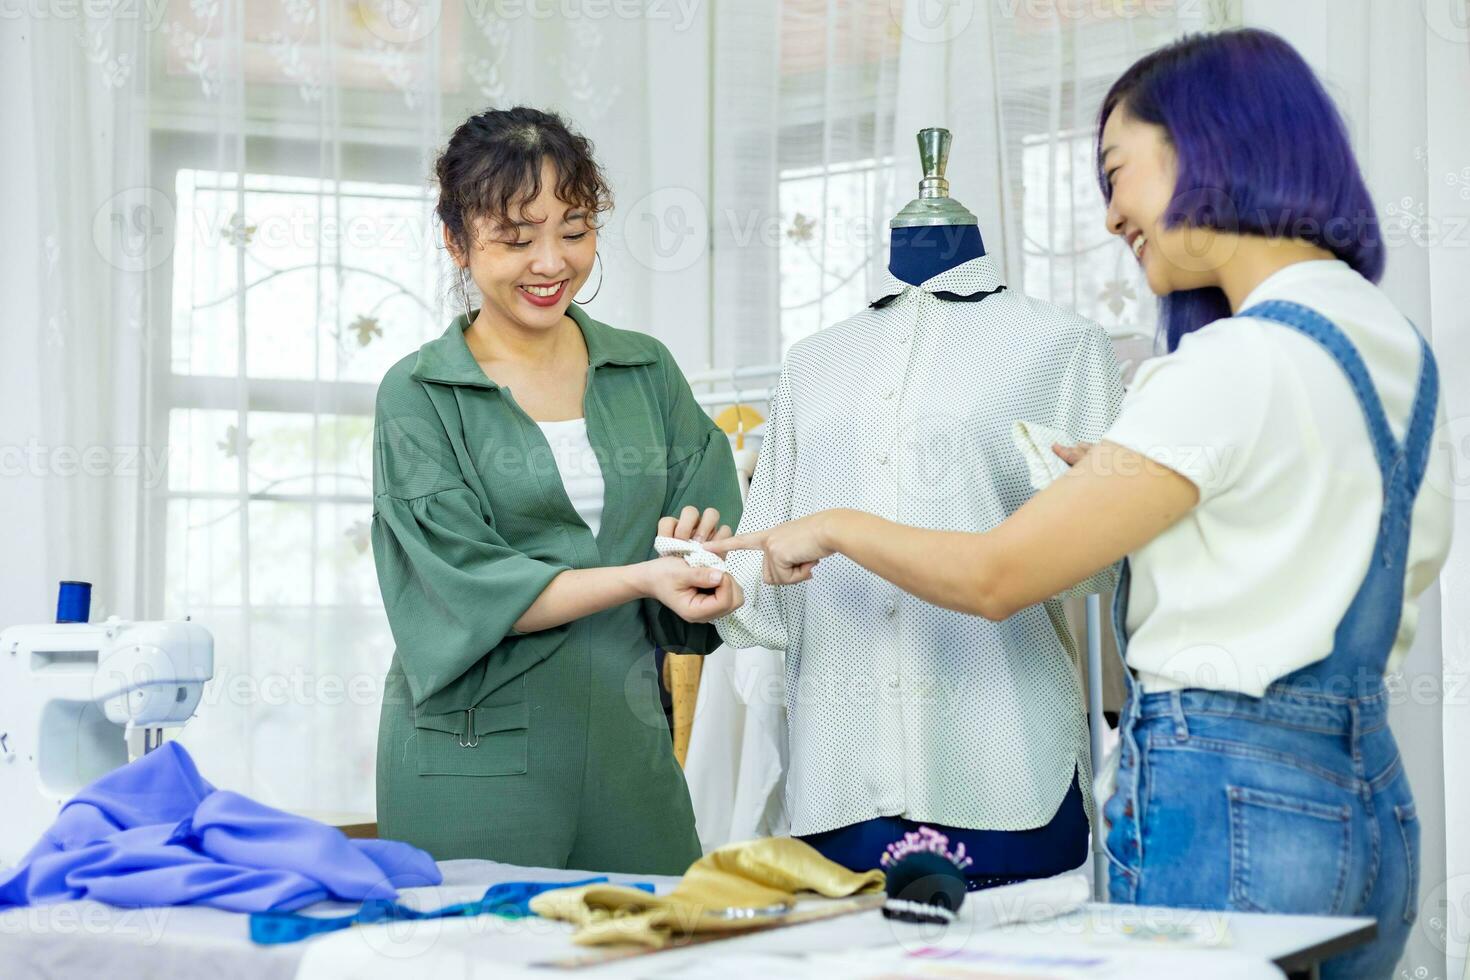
(1253, 582)
(581, 473)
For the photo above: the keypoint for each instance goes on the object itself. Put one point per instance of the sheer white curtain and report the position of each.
(1400, 73)
(221, 237)
(1017, 83)
(81, 232)
(292, 142)
(295, 140)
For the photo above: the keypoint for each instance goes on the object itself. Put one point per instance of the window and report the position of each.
(838, 72)
(1070, 258)
(291, 295)
(292, 141)
(828, 243)
(1052, 65)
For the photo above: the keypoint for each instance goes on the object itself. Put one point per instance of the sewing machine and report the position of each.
(73, 698)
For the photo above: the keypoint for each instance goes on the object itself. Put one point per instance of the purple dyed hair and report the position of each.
(1262, 150)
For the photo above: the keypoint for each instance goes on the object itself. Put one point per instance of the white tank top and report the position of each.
(581, 474)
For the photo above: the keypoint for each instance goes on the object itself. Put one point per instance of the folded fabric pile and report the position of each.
(759, 874)
(155, 833)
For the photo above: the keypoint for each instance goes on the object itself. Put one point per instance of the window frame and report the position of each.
(263, 152)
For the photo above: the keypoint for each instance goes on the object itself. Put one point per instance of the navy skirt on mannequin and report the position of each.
(1001, 857)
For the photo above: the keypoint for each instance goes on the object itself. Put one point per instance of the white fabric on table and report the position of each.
(89, 939)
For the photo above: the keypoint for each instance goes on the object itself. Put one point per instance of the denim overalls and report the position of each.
(1297, 801)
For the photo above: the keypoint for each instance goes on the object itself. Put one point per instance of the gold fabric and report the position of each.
(681, 679)
(751, 875)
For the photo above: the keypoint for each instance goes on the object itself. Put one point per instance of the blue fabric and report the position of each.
(1001, 856)
(155, 833)
(509, 899)
(1295, 802)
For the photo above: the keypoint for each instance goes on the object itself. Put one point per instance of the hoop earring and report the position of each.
(584, 302)
(464, 294)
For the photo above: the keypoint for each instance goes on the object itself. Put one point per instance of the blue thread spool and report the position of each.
(74, 602)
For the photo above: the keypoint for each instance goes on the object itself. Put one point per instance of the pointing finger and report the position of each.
(755, 541)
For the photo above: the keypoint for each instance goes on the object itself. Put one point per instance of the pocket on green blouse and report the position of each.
(487, 740)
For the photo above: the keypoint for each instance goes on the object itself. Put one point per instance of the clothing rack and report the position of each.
(735, 394)
(1096, 726)
(736, 374)
(732, 397)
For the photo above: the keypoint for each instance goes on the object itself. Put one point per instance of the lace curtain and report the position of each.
(231, 238)
(293, 141)
(221, 237)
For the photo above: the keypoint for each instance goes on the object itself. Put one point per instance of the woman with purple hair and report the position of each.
(1270, 488)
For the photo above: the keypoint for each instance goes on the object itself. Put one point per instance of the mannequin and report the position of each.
(934, 232)
(931, 235)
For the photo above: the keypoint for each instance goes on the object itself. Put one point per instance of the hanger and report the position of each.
(739, 417)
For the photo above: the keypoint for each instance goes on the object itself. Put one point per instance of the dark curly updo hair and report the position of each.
(493, 164)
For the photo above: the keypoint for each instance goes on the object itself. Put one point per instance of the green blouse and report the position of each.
(471, 521)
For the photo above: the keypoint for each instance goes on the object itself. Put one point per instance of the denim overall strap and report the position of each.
(1365, 636)
(1413, 456)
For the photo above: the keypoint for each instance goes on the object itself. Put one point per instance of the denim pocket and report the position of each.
(1272, 838)
(1408, 820)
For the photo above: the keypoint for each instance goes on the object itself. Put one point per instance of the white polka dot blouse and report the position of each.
(905, 410)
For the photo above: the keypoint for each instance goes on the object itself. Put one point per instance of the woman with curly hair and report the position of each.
(524, 463)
